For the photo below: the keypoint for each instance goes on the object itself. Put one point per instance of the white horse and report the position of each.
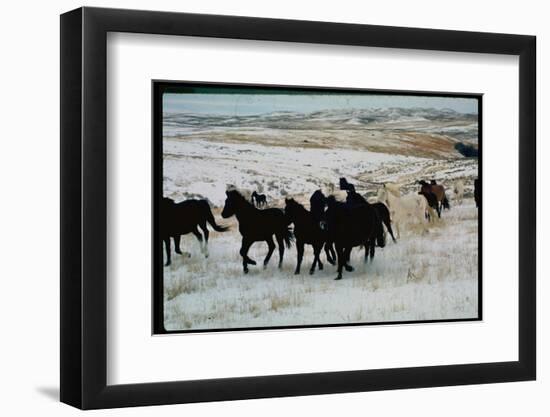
(459, 191)
(405, 209)
(394, 188)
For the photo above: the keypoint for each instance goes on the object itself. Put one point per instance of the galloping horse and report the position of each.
(257, 225)
(438, 190)
(317, 204)
(351, 225)
(433, 204)
(178, 219)
(306, 231)
(404, 208)
(259, 200)
(381, 209)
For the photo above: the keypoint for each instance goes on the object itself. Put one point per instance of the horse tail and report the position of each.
(288, 237)
(210, 219)
(445, 203)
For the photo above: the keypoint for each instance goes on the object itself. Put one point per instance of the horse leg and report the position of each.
(330, 253)
(317, 253)
(300, 250)
(281, 243)
(341, 261)
(333, 253)
(387, 222)
(196, 232)
(347, 255)
(271, 248)
(372, 249)
(397, 229)
(177, 244)
(244, 253)
(206, 234)
(167, 247)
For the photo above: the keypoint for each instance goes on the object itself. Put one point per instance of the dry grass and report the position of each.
(180, 286)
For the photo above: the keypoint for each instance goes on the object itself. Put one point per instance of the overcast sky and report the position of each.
(250, 104)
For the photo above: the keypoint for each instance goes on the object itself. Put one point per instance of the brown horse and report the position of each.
(438, 191)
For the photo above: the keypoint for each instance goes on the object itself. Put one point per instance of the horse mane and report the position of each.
(293, 202)
(331, 200)
(237, 194)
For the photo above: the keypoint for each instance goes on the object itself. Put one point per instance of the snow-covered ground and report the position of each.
(424, 276)
(204, 169)
(430, 274)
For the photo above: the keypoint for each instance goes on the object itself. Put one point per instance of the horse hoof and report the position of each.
(349, 268)
(338, 278)
(296, 272)
(251, 262)
(311, 271)
(167, 264)
(246, 271)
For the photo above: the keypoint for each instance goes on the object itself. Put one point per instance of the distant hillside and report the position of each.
(407, 131)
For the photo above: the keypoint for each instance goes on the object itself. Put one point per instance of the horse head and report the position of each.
(231, 202)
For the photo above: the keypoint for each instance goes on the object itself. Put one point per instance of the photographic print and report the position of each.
(283, 207)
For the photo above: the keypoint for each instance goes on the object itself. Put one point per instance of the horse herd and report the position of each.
(330, 225)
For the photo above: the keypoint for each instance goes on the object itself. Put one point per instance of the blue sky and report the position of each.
(250, 104)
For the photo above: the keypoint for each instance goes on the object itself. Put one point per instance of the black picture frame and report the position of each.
(84, 208)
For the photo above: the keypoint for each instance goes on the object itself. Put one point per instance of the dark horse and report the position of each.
(381, 209)
(350, 225)
(178, 219)
(354, 197)
(432, 202)
(317, 204)
(437, 190)
(259, 200)
(307, 230)
(257, 225)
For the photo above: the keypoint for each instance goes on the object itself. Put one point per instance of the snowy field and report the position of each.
(431, 273)
(425, 276)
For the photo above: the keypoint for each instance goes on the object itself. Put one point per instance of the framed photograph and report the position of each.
(258, 208)
(279, 167)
